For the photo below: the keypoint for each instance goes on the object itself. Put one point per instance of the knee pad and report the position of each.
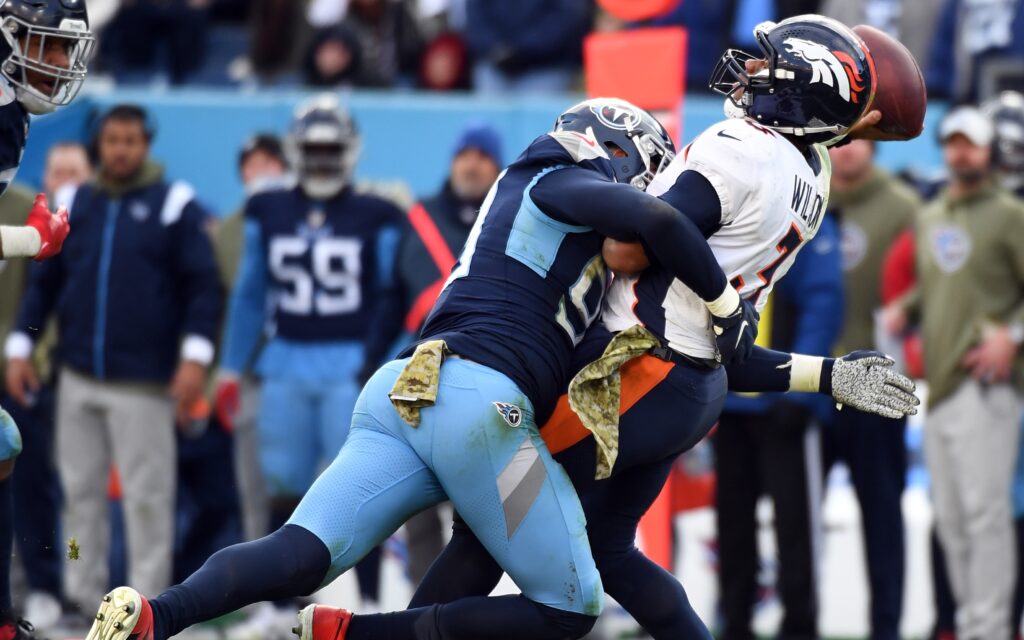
(574, 625)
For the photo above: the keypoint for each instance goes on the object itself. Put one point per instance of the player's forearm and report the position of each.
(776, 371)
(19, 242)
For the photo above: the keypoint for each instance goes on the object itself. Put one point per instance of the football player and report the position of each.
(756, 185)
(315, 282)
(43, 55)
(459, 414)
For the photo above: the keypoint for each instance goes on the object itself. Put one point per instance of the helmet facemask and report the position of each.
(656, 157)
(41, 86)
(323, 160)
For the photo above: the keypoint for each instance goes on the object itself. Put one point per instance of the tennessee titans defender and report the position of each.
(529, 283)
(758, 193)
(43, 54)
(316, 283)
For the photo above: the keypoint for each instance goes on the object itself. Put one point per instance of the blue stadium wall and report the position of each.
(406, 136)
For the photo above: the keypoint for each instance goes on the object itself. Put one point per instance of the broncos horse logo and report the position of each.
(834, 68)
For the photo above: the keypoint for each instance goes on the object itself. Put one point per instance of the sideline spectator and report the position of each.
(390, 43)
(138, 304)
(912, 22)
(978, 50)
(144, 32)
(36, 479)
(262, 165)
(438, 227)
(970, 279)
(317, 263)
(872, 208)
(334, 58)
(768, 444)
(526, 46)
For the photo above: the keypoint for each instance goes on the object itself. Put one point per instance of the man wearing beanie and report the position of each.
(970, 279)
(438, 227)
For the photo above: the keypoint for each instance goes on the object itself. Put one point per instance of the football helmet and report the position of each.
(630, 139)
(29, 28)
(816, 80)
(1007, 113)
(323, 146)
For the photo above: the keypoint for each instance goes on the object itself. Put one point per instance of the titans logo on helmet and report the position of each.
(617, 115)
(512, 414)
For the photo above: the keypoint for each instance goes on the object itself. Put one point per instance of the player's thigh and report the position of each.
(670, 418)
(288, 441)
(337, 400)
(501, 478)
(375, 483)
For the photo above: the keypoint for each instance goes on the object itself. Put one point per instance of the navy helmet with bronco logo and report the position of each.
(632, 140)
(817, 81)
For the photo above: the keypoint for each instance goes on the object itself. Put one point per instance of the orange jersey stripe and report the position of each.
(639, 376)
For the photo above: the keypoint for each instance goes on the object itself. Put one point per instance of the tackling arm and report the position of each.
(863, 380)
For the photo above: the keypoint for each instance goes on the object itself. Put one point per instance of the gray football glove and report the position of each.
(865, 380)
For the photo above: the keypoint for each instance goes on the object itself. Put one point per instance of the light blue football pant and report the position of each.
(501, 479)
(10, 437)
(302, 425)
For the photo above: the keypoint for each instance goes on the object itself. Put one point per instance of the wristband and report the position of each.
(20, 242)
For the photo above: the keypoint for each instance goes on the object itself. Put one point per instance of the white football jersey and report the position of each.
(772, 204)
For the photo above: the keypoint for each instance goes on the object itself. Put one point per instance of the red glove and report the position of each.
(226, 401)
(52, 227)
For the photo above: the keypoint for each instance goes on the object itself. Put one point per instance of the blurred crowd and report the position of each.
(966, 48)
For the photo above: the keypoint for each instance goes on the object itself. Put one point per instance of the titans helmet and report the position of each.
(1006, 111)
(631, 140)
(323, 146)
(813, 80)
(30, 29)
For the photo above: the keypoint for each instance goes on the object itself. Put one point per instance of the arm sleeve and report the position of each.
(624, 213)
(1014, 239)
(247, 304)
(696, 198)
(388, 308)
(765, 370)
(199, 280)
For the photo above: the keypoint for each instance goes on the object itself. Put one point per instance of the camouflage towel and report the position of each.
(594, 393)
(416, 386)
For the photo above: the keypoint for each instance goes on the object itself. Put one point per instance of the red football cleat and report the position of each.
(124, 615)
(320, 622)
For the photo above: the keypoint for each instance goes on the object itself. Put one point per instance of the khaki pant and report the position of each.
(132, 427)
(252, 489)
(971, 448)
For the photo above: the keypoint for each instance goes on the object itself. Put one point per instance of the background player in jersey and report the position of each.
(43, 54)
(529, 284)
(748, 188)
(316, 282)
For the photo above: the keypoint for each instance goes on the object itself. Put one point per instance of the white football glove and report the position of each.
(865, 380)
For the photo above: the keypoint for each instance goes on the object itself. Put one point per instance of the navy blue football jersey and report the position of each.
(13, 134)
(527, 285)
(326, 262)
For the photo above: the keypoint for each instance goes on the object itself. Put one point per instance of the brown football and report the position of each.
(900, 93)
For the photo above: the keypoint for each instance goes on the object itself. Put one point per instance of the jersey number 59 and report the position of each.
(333, 286)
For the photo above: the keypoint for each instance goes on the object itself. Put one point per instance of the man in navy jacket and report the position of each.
(138, 302)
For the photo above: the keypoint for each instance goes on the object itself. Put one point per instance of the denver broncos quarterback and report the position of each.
(756, 185)
(44, 50)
